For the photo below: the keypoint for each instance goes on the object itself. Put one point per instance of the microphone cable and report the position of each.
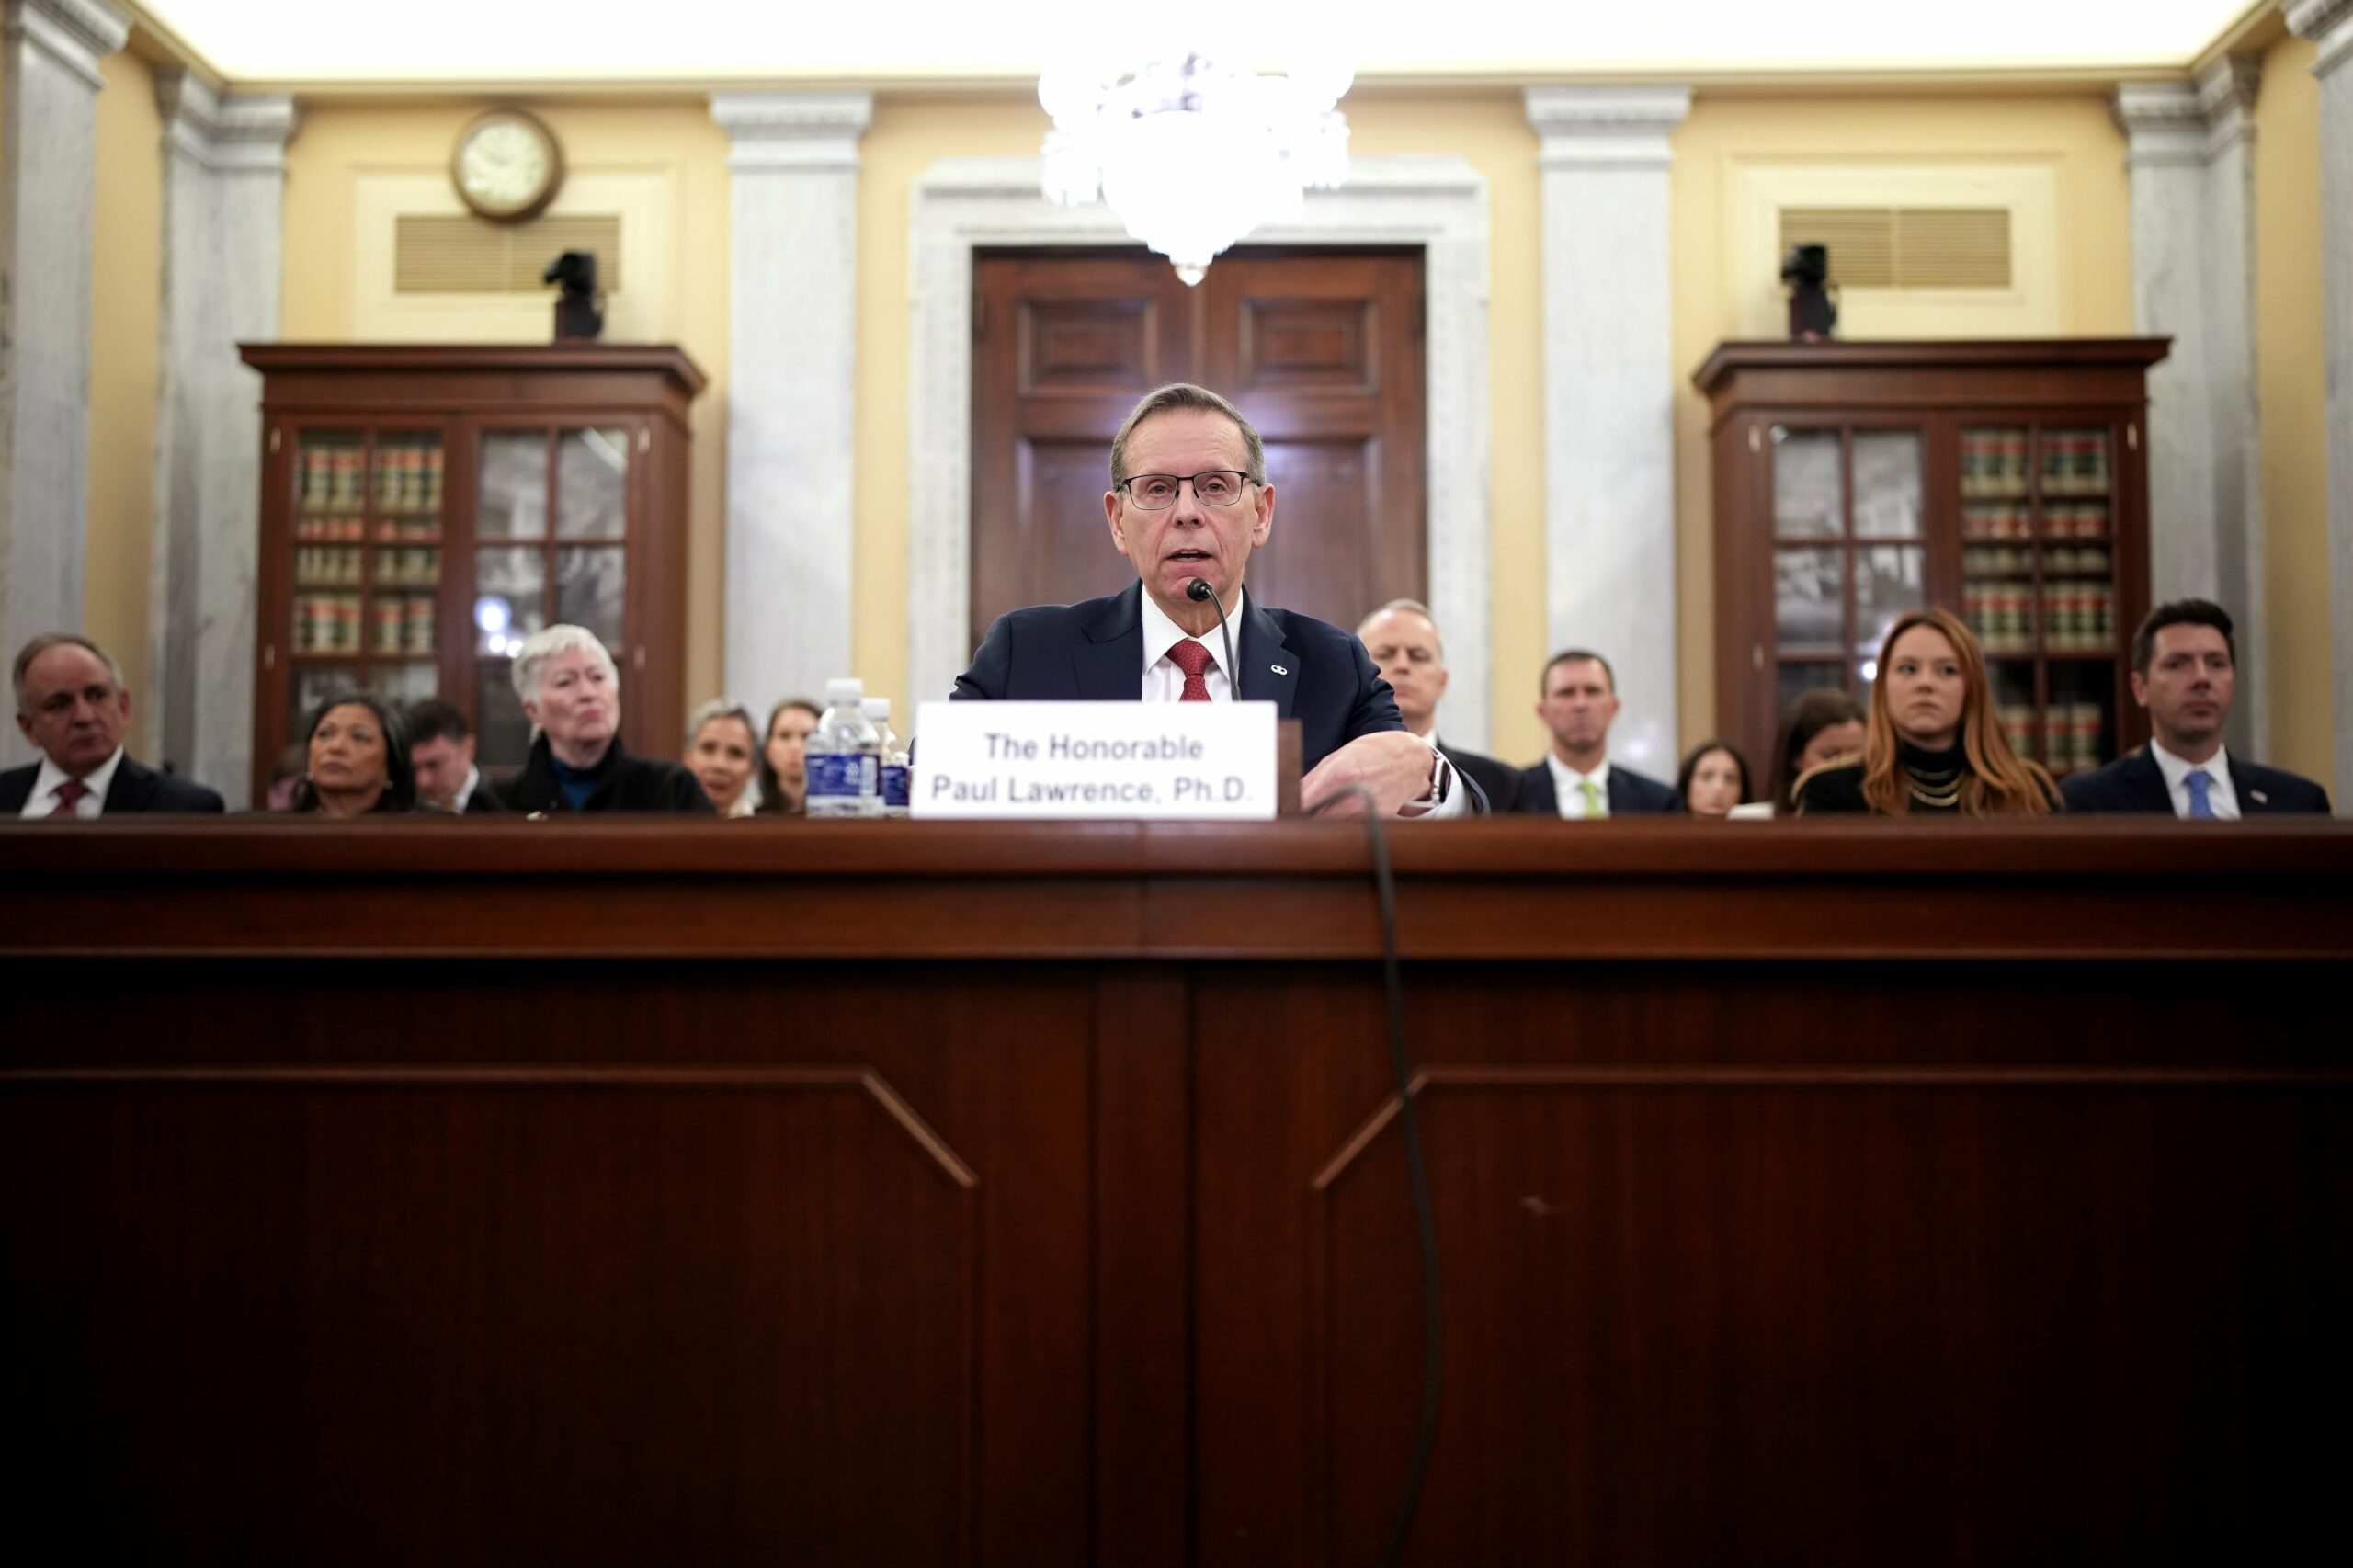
(1417, 1179)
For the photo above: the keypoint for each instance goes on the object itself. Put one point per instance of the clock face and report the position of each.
(506, 165)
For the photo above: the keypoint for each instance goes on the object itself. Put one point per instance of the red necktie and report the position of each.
(69, 795)
(1192, 658)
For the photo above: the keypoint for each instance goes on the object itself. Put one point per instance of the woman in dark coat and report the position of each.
(571, 693)
(357, 760)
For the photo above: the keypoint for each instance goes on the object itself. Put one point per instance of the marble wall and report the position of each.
(48, 146)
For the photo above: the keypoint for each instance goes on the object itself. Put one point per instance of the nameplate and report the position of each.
(1175, 761)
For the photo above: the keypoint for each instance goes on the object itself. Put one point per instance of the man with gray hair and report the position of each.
(1189, 501)
(71, 702)
(1411, 656)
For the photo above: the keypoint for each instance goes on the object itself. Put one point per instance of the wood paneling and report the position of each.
(1321, 349)
(1034, 1196)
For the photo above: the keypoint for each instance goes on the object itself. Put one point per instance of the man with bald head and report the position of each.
(1411, 656)
(71, 702)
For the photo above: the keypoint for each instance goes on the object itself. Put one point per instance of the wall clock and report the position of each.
(507, 167)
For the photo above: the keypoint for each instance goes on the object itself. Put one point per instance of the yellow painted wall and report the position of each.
(2294, 393)
(126, 285)
(2094, 265)
(338, 143)
(908, 134)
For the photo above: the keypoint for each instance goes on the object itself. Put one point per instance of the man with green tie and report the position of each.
(1576, 779)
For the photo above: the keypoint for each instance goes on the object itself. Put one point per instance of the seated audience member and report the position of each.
(1932, 743)
(1712, 779)
(784, 760)
(359, 764)
(572, 693)
(1822, 726)
(441, 749)
(2185, 672)
(1405, 648)
(720, 750)
(286, 777)
(1576, 779)
(72, 704)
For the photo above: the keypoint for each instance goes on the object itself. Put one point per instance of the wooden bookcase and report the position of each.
(2004, 482)
(423, 509)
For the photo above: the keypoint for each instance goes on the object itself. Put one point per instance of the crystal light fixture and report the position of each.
(1193, 151)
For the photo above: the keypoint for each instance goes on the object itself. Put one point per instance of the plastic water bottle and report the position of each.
(843, 755)
(893, 787)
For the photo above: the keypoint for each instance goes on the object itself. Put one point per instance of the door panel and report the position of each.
(1321, 349)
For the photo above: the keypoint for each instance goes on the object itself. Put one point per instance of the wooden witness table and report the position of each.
(490, 1192)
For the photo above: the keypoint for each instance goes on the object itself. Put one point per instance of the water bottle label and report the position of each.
(838, 774)
(895, 784)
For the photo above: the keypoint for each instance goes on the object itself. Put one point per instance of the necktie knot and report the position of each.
(69, 795)
(1590, 793)
(2202, 803)
(1193, 658)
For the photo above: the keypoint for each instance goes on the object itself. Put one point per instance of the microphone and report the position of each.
(1199, 589)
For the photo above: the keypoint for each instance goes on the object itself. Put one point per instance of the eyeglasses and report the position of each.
(1212, 487)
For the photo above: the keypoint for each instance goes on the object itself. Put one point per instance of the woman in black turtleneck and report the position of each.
(572, 691)
(1931, 744)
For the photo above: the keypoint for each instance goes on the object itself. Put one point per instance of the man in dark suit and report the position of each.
(1576, 779)
(71, 702)
(1189, 500)
(1411, 656)
(2185, 672)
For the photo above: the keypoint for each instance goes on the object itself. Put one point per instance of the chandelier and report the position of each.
(1193, 151)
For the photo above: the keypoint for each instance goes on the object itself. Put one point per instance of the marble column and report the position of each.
(792, 373)
(2329, 24)
(1609, 381)
(2191, 163)
(48, 129)
(225, 177)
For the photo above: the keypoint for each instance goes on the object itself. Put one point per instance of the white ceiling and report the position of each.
(620, 41)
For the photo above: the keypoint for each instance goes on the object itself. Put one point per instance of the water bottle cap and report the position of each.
(877, 706)
(844, 692)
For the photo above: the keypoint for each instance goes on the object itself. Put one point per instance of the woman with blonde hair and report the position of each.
(1931, 744)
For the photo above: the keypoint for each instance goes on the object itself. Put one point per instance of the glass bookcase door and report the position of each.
(367, 568)
(551, 546)
(2039, 585)
(1849, 551)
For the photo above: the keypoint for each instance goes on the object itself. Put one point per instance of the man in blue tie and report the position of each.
(1189, 501)
(2185, 672)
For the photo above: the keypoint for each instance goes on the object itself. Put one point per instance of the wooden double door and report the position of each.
(1321, 349)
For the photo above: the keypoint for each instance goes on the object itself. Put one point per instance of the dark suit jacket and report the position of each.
(1093, 652)
(2133, 783)
(133, 791)
(1630, 794)
(1499, 780)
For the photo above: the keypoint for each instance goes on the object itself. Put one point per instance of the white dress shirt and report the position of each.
(43, 800)
(1565, 795)
(2218, 794)
(1164, 682)
(466, 791)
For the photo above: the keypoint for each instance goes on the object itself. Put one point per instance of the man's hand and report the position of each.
(1395, 766)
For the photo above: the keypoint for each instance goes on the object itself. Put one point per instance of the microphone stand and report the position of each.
(1199, 589)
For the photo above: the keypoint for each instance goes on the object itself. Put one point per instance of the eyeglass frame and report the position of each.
(1183, 480)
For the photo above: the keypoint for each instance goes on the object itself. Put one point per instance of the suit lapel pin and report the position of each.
(1280, 671)
(2260, 798)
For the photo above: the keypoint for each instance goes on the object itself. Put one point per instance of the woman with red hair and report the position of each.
(1931, 744)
